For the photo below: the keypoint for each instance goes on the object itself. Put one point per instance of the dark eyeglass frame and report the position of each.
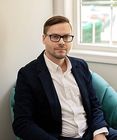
(60, 36)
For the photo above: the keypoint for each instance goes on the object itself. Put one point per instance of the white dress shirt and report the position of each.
(73, 113)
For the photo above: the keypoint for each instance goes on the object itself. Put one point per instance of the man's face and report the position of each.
(57, 50)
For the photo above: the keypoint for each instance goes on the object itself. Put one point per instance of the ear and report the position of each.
(43, 38)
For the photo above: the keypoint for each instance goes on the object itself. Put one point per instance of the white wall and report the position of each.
(21, 24)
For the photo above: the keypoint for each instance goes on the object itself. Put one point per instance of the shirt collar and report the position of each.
(53, 67)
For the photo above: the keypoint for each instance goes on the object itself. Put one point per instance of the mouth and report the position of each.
(61, 50)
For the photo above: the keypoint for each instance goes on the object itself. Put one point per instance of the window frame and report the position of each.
(96, 53)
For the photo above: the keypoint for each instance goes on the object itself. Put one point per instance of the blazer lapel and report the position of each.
(49, 88)
(78, 75)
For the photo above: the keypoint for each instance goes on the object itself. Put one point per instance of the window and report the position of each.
(98, 22)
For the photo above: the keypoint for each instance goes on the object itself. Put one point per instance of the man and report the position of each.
(54, 97)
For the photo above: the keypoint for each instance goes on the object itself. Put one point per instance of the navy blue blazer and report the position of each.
(37, 110)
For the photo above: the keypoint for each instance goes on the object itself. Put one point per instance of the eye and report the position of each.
(55, 37)
(66, 37)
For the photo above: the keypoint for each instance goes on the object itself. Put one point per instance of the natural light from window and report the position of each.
(98, 22)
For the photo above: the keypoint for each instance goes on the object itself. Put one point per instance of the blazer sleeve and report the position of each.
(23, 124)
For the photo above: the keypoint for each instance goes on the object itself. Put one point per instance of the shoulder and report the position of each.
(29, 66)
(35, 65)
(78, 61)
(81, 66)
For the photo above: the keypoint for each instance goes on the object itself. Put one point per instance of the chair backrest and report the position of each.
(107, 97)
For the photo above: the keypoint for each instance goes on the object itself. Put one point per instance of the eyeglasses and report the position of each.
(56, 37)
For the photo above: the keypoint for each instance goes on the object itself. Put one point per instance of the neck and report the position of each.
(62, 63)
(64, 66)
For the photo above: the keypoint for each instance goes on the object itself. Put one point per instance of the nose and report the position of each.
(61, 41)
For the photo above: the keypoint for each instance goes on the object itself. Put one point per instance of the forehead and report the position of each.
(61, 28)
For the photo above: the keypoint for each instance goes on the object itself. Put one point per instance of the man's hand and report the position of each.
(100, 137)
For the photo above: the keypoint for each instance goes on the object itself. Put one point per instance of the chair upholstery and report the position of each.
(12, 93)
(107, 97)
(104, 92)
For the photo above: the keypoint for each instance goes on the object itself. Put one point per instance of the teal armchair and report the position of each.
(107, 97)
(12, 93)
(104, 92)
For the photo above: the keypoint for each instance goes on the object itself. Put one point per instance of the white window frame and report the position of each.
(95, 53)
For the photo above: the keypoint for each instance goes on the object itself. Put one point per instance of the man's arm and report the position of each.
(24, 125)
(100, 137)
(97, 116)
